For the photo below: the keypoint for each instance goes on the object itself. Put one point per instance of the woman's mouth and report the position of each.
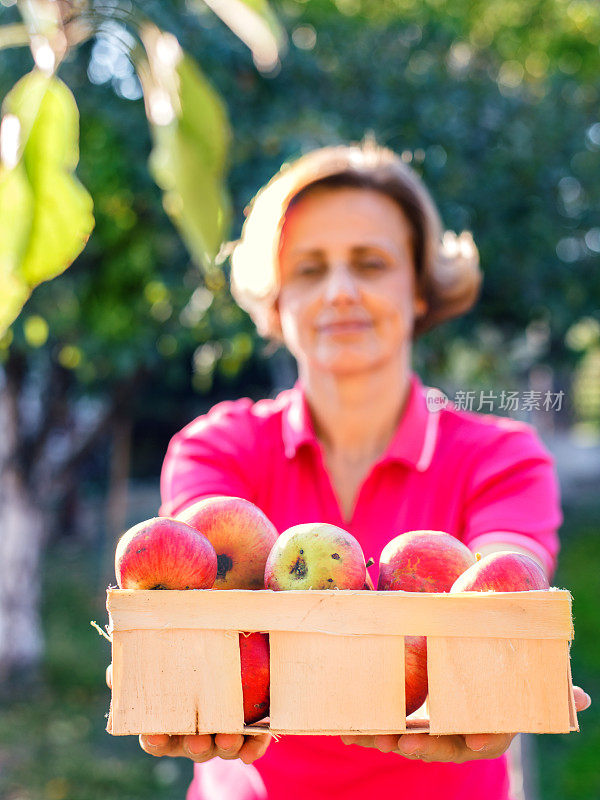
(344, 327)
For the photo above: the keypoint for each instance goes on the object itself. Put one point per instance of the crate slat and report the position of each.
(176, 681)
(527, 615)
(498, 685)
(335, 683)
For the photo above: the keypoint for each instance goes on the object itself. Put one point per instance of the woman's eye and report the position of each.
(309, 269)
(371, 263)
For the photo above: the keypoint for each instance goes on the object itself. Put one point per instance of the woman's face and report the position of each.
(348, 296)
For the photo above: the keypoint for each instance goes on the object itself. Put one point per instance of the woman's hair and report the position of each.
(447, 266)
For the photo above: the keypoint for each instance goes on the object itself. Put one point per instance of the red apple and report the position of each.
(422, 561)
(241, 535)
(315, 555)
(415, 672)
(254, 657)
(502, 572)
(163, 553)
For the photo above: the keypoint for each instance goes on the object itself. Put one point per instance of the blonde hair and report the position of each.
(447, 265)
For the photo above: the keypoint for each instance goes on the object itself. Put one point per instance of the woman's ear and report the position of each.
(272, 322)
(420, 305)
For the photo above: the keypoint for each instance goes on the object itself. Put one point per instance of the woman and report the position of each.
(342, 259)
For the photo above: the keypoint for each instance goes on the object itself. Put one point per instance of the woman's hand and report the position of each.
(469, 747)
(203, 747)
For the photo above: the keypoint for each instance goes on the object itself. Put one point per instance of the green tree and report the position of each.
(90, 343)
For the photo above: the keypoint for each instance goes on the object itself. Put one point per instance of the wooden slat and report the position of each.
(336, 684)
(514, 615)
(412, 726)
(498, 686)
(176, 681)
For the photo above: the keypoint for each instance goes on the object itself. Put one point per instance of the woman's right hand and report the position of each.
(204, 746)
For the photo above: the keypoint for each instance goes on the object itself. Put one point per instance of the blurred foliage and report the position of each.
(188, 163)
(191, 136)
(45, 213)
(254, 22)
(496, 105)
(584, 338)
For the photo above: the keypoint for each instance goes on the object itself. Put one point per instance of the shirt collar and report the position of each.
(413, 442)
(297, 423)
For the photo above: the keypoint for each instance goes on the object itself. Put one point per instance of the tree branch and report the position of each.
(55, 409)
(14, 372)
(122, 397)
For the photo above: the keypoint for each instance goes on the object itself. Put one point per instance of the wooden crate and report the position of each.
(497, 662)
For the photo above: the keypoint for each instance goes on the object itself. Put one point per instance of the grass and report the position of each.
(53, 743)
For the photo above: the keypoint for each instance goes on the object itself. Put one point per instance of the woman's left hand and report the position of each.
(455, 748)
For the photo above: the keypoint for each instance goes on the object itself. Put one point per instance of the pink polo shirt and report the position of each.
(468, 474)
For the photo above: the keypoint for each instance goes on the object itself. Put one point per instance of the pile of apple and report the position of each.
(229, 543)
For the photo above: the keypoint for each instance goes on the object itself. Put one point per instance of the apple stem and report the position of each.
(370, 562)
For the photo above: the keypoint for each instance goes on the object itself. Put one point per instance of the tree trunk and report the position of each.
(28, 481)
(20, 549)
(21, 542)
(117, 497)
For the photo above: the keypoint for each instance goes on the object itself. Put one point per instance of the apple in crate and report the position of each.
(420, 561)
(254, 658)
(315, 555)
(242, 537)
(163, 553)
(415, 672)
(241, 534)
(423, 561)
(502, 572)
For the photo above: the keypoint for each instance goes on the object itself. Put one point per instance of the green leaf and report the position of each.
(256, 25)
(189, 158)
(45, 213)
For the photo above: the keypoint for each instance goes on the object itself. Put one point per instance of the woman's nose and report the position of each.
(341, 285)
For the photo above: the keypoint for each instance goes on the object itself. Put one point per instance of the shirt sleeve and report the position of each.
(513, 496)
(211, 456)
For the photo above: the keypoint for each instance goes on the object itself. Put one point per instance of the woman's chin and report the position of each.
(349, 363)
